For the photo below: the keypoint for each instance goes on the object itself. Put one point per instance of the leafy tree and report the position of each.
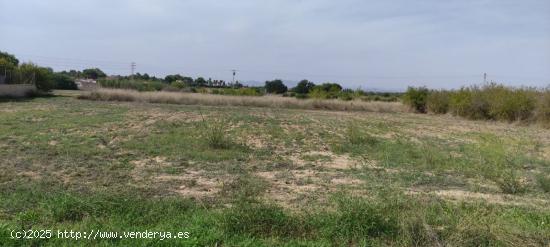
(7, 71)
(93, 73)
(63, 81)
(201, 82)
(9, 58)
(276, 86)
(188, 81)
(303, 87)
(173, 78)
(42, 77)
(331, 87)
(326, 91)
(72, 73)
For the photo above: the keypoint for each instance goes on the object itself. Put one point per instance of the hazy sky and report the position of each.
(358, 43)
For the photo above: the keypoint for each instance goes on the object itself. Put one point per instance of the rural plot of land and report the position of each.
(240, 173)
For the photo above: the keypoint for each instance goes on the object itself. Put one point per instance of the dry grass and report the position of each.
(16, 90)
(260, 101)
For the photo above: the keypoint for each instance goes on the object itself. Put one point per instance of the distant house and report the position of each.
(86, 84)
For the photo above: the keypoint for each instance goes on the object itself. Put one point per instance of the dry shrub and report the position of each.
(253, 101)
(438, 102)
(416, 98)
(542, 111)
(510, 104)
(494, 102)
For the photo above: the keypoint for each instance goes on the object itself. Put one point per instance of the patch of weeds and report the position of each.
(215, 133)
(544, 182)
(358, 218)
(7, 175)
(355, 136)
(475, 228)
(316, 158)
(263, 220)
(304, 181)
(243, 188)
(508, 179)
(190, 183)
(509, 183)
(66, 207)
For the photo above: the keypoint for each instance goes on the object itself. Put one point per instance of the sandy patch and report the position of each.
(255, 142)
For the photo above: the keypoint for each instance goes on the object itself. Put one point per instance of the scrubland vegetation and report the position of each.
(487, 102)
(268, 176)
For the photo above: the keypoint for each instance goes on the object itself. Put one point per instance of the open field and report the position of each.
(248, 176)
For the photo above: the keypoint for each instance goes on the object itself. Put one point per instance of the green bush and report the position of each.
(438, 102)
(178, 84)
(325, 91)
(509, 182)
(493, 101)
(542, 111)
(42, 77)
(544, 182)
(244, 91)
(509, 104)
(416, 98)
(64, 82)
(215, 135)
(345, 96)
(140, 85)
(318, 93)
(470, 103)
(460, 102)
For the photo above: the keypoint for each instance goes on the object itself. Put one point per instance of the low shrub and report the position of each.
(509, 104)
(318, 93)
(509, 182)
(214, 131)
(542, 110)
(416, 98)
(64, 82)
(244, 91)
(438, 102)
(139, 85)
(492, 102)
(544, 182)
(263, 220)
(177, 84)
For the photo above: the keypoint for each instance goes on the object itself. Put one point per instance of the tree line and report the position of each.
(45, 79)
